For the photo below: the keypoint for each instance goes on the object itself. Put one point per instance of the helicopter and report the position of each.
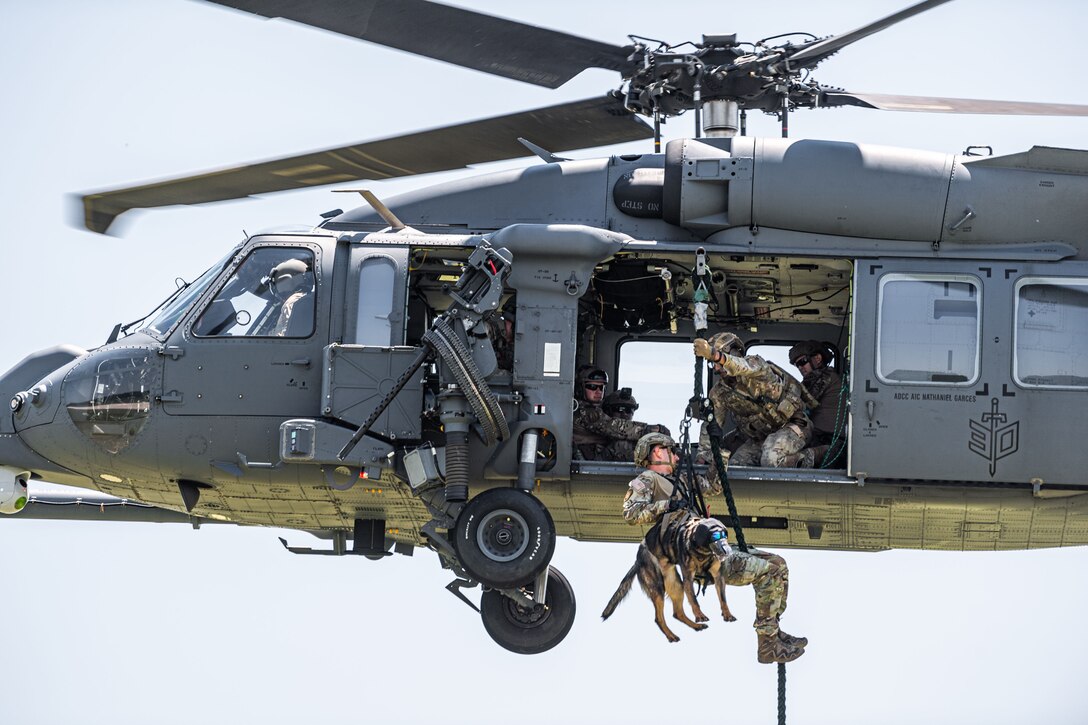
(442, 251)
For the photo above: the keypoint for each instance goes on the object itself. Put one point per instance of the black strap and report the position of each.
(689, 487)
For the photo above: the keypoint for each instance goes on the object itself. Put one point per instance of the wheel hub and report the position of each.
(503, 535)
(526, 616)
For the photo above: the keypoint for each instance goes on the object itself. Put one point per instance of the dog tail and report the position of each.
(622, 592)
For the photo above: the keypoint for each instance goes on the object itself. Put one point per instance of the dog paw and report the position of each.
(702, 618)
(674, 638)
(699, 627)
(729, 618)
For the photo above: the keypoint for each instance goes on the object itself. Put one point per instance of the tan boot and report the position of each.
(771, 649)
(790, 641)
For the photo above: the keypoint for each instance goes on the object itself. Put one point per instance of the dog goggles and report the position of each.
(719, 543)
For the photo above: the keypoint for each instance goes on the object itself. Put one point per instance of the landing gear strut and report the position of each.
(526, 627)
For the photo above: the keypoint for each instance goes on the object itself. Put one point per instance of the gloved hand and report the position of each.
(675, 505)
(703, 349)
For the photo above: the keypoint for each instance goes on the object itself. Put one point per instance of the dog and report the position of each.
(670, 559)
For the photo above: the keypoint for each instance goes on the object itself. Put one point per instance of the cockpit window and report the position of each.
(111, 399)
(271, 294)
(171, 311)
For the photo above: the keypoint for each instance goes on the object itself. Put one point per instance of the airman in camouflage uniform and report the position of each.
(653, 498)
(767, 403)
(812, 359)
(500, 329)
(597, 435)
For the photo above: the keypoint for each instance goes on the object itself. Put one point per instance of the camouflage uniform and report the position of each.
(825, 386)
(502, 344)
(828, 418)
(829, 411)
(600, 437)
(647, 502)
(283, 322)
(768, 405)
(648, 496)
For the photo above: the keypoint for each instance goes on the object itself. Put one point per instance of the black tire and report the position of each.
(504, 538)
(525, 630)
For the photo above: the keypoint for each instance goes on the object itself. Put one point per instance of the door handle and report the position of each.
(302, 362)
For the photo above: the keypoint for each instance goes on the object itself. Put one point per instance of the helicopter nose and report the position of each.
(24, 383)
(24, 388)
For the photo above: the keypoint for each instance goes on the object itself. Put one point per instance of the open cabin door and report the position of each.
(359, 371)
(970, 371)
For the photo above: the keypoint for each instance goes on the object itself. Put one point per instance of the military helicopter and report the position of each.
(568, 241)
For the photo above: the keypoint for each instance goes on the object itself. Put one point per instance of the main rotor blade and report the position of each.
(474, 40)
(936, 104)
(581, 124)
(819, 50)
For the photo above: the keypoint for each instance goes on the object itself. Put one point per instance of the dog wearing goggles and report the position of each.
(669, 562)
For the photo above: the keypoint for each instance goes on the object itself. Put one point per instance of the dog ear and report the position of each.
(700, 538)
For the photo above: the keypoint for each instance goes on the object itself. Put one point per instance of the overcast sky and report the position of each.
(143, 623)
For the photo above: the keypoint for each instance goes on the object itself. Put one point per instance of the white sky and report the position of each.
(142, 623)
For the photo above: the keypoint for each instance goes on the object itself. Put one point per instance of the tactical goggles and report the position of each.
(594, 386)
(801, 361)
(719, 534)
(622, 409)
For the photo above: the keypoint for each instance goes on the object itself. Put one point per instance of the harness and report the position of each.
(759, 416)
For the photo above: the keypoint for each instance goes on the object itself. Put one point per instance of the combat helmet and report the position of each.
(620, 404)
(808, 348)
(589, 374)
(288, 277)
(726, 343)
(646, 444)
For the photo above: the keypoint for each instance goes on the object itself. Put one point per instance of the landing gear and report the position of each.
(528, 628)
(504, 538)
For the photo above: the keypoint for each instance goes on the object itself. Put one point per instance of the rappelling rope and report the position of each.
(781, 693)
(714, 433)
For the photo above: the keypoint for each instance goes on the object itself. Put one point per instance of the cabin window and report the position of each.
(779, 354)
(928, 329)
(1051, 345)
(374, 324)
(661, 378)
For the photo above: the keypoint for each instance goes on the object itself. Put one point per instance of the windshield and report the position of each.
(170, 312)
